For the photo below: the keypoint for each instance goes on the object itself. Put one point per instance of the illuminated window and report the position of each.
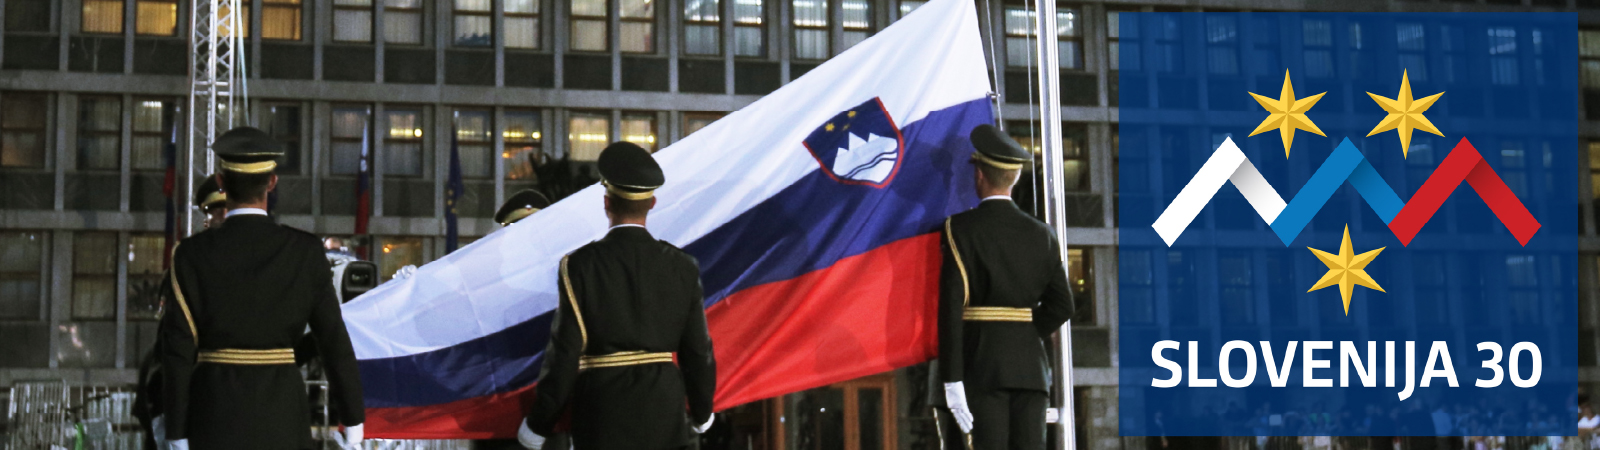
(1020, 31)
(398, 252)
(474, 23)
(22, 129)
(523, 150)
(1589, 54)
(811, 29)
(749, 23)
(1594, 169)
(145, 258)
(590, 25)
(152, 122)
(475, 142)
(1080, 279)
(402, 21)
(638, 26)
(94, 275)
(1074, 150)
(349, 133)
(694, 121)
(156, 18)
(640, 128)
(702, 27)
(522, 23)
(102, 16)
(402, 144)
(280, 19)
(352, 20)
(907, 6)
(588, 134)
(21, 269)
(99, 133)
(857, 22)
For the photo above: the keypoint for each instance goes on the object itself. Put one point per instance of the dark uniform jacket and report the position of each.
(997, 255)
(250, 285)
(627, 292)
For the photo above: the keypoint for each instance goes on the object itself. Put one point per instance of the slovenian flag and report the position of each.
(814, 213)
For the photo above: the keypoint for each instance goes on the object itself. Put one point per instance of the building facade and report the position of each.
(92, 92)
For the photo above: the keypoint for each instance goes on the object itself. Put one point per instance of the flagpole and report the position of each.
(1055, 212)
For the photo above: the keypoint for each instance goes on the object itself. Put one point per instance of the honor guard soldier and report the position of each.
(520, 206)
(628, 302)
(239, 296)
(1002, 292)
(211, 201)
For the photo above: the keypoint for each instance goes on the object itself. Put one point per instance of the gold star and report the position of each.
(1287, 114)
(1405, 114)
(1346, 269)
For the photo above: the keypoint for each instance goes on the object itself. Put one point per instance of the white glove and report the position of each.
(529, 439)
(351, 438)
(181, 444)
(405, 272)
(955, 394)
(158, 427)
(1052, 415)
(701, 429)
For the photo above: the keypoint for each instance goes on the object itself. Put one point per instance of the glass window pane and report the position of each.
(522, 6)
(149, 152)
(1067, 23)
(1588, 42)
(522, 32)
(640, 129)
(589, 35)
(102, 16)
(588, 134)
(402, 148)
(148, 116)
(748, 12)
(21, 264)
(810, 44)
(522, 150)
(410, 4)
(637, 37)
(352, 25)
(94, 271)
(474, 5)
(280, 19)
(638, 9)
(1019, 22)
(1019, 52)
(99, 132)
(22, 122)
(402, 27)
(906, 7)
(283, 123)
(851, 38)
(693, 122)
(595, 8)
(349, 123)
(399, 252)
(702, 10)
(156, 18)
(810, 13)
(857, 14)
(146, 255)
(349, 140)
(28, 15)
(346, 158)
(702, 40)
(474, 31)
(749, 41)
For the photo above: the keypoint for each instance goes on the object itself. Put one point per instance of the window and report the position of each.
(857, 22)
(1413, 45)
(152, 131)
(522, 23)
(99, 133)
(94, 275)
(282, 122)
(146, 256)
(638, 26)
(811, 29)
(694, 121)
(590, 25)
(21, 268)
(399, 252)
(1235, 274)
(28, 16)
(1115, 31)
(1080, 279)
(1020, 31)
(702, 29)
(1136, 299)
(1522, 280)
(474, 142)
(1589, 53)
(522, 140)
(349, 133)
(587, 134)
(156, 18)
(352, 20)
(1503, 56)
(22, 129)
(402, 146)
(907, 6)
(102, 16)
(1318, 35)
(402, 21)
(280, 19)
(749, 36)
(1222, 45)
(1074, 150)
(640, 128)
(474, 23)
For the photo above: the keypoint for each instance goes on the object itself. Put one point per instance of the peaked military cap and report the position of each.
(247, 150)
(521, 205)
(209, 193)
(629, 172)
(997, 149)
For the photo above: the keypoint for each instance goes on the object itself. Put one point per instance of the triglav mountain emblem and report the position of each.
(860, 145)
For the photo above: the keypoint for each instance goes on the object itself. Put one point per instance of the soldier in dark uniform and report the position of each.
(239, 296)
(212, 201)
(628, 303)
(520, 206)
(1003, 292)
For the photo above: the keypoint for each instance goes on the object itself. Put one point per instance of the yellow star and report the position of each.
(1346, 269)
(1405, 114)
(1287, 114)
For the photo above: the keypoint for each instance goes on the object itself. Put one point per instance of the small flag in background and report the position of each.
(452, 195)
(364, 191)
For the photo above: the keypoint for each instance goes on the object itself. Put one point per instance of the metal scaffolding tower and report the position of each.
(217, 92)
